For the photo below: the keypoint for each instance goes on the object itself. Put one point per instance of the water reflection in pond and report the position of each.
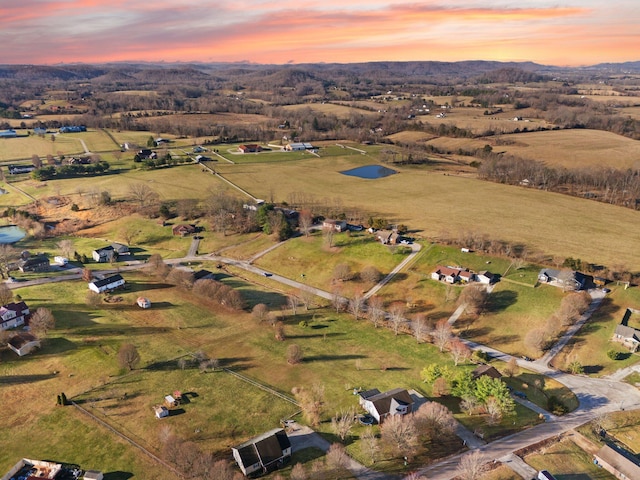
(370, 172)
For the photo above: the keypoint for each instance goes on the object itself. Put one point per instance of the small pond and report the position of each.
(369, 171)
(11, 234)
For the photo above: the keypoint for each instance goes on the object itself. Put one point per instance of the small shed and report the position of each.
(169, 401)
(92, 475)
(161, 411)
(143, 302)
(23, 343)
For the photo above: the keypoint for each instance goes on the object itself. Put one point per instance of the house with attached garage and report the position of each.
(13, 315)
(107, 284)
(39, 263)
(381, 405)
(567, 279)
(446, 274)
(628, 336)
(337, 225)
(110, 253)
(264, 453)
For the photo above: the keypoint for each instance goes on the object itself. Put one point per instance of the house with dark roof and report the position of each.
(619, 462)
(387, 237)
(628, 336)
(13, 315)
(264, 453)
(485, 371)
(38, 263)
(380, 405)
(567, 279)
(183, 230)
(107, 284)
(23, 343)
(486, 278)
(109, 253)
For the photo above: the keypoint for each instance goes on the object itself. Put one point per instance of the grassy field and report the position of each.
(501, 473)
(566, 461)
(340, 111)
(24, 147)
(593, 341)
(443, 205)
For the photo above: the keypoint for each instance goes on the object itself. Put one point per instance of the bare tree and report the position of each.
(356, 304)
(441, 334)
(375, 310)
(573, 306)
(142, 193)
(36, 161)
(292, 301)
(511, 369)
(343, 422)
(420, 328)
(305, 220)
(298, 473)
(93, 299)
(87, 275)
(459, 351)
(260, 312)
(128, 356)
(41, 321)
(474, 298)
(337, 458)
(328, 234)
(294, 354)
(471, 466)
(567, 280)
(435, 419)
(130, 234)
(494, 411)
(306, 296)
(311, 402)
(337, 300)
(536, 340)
(66, 248)
(369, 444)
(400, 433)
(180, 278)
(8, 255)
(279, 331)
(396, 312)
(370, 274)
(6, 295)
(342, 272)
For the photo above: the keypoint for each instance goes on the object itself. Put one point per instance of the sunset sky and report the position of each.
(555, 32)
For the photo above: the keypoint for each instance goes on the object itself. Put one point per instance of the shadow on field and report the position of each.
(140, 286)
(117, 476)
(315, 335)
(324, 358)
(502, 299)
(20, 379)
(114, 330)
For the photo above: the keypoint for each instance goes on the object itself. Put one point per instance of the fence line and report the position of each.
(261, 386)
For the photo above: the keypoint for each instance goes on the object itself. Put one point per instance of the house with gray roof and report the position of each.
(628, 336)
(264, 453)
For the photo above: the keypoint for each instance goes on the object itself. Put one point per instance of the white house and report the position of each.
(446, 274)
(106, 284)
(263, 453)
(13, 315)
(337, 225)
(380, 405)
(23, 344)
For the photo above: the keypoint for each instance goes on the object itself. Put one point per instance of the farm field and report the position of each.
(340, 111)
(443, 205)
(24, 147)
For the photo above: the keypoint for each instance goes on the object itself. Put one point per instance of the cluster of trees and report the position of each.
(208, 289)
(68, 171)
(484, 395)
(618, 187)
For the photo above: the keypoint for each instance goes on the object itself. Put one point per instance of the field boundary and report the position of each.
(505, 279)
(129, 440)
(266, 388)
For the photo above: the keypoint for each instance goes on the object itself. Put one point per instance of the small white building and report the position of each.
(106, 284)
(143, 302)
(61, 260)
(23, 344)
(92, 475)
(161, 411)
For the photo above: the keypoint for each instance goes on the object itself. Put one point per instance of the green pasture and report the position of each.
(311, 257)
(513, 311)
(592, 342)
(564, 459)
(22, 148)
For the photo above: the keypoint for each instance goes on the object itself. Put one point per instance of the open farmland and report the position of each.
(575, 148)
(443, 205)
(340, 111)
(24, 147)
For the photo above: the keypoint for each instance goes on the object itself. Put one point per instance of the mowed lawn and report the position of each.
(443, 205)
(592, 342)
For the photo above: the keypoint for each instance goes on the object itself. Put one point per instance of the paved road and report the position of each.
(415, 250)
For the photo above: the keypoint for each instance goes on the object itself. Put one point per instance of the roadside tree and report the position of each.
(42, 320)
(441, 334)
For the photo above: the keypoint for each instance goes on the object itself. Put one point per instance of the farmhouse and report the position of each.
(466, 276)
(107, 284)
(628, 336)
(13, 315)
(264, 453)
(387, 237)
(618, 462)
(23, 343)
(112, 252)
(250, 148)
(183, 230)
(446, 274)
(381, 405)
(562, 278)
(39, 263)
(337, 225)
